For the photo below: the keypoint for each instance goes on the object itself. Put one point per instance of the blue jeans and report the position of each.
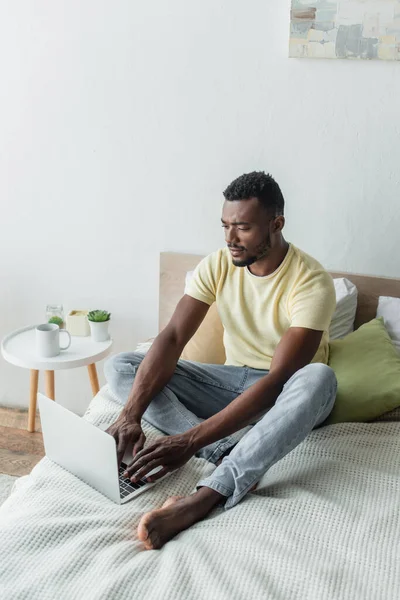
(198, 391)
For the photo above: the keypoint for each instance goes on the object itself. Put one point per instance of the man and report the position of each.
(276, 304)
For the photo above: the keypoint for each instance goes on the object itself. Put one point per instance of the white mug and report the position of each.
(48, 340)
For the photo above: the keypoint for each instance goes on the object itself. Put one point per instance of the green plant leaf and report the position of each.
(57, 321)
(99, 316)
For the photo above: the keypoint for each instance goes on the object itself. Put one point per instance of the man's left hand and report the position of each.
(170, 452)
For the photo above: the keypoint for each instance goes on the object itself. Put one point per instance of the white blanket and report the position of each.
(324, 524)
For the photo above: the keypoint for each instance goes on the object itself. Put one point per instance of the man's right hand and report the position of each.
(124, 432)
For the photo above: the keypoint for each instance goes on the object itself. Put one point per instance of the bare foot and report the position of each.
(177, 513)
(172, 500)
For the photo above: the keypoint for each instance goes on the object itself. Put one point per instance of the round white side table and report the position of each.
(18, 348)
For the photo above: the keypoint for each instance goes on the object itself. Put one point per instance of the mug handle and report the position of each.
(69, 343)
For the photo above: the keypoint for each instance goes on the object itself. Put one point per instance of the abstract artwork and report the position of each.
(358, 29)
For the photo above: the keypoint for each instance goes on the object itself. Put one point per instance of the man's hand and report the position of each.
(124, 432)
(170, 452)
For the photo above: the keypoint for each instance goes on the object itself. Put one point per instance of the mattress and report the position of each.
(323, 524)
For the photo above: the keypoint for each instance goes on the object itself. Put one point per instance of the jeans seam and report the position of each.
(245, 377)
(221, 447)
(210, 383)
(134, 367)
(177, 406)
(215, 483)
(334, 394)
(236, 390)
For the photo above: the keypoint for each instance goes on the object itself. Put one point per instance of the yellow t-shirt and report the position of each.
(257, 311)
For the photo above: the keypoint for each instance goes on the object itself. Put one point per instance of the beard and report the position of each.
(261, 251)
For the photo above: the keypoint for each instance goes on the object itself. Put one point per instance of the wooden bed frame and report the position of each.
(174, 266)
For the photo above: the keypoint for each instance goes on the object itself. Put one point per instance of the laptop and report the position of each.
(88, 452)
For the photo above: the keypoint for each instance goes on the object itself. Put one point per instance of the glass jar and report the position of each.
(55, 310)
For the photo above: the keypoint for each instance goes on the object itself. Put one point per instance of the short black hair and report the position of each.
(257, 185)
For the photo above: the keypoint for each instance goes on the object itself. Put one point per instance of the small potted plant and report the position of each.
(98, 321)
(57, 321)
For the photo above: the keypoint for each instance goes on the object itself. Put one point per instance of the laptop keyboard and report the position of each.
(126, 486)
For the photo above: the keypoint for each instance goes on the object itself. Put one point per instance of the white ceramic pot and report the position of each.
(99, 331)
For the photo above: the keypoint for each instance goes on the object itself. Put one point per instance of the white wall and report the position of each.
(122, 122)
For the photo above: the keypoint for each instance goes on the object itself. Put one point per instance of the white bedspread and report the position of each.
(324, 524)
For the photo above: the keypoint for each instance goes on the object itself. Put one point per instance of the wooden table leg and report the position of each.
(94, 381)
(49, 384)
(32, 400)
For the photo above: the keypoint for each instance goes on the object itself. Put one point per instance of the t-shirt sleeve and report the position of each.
(313, 301)
(202, 286)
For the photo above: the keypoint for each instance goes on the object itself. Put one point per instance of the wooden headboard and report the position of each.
(174, 266)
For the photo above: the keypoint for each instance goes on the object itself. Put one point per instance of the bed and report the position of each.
(323, 523)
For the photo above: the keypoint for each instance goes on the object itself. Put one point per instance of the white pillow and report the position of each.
(346, 305)
(188, 278)
(389, 309)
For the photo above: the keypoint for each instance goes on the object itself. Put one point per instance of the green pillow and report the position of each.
(367, 367)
